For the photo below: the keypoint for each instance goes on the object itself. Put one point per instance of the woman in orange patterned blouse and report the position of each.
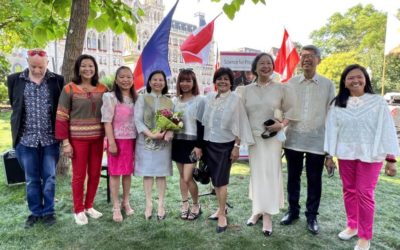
(78, 125)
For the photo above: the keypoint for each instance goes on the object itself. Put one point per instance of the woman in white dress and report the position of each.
(153, 149)
(265, 99)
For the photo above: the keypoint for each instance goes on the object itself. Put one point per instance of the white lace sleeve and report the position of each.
(108, 107)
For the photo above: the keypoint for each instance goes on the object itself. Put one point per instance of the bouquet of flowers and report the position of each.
(167, 120)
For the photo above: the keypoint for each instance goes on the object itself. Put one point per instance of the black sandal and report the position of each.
(184, 213)
(193, 216)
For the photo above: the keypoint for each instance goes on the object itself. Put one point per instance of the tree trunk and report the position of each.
(73, 49)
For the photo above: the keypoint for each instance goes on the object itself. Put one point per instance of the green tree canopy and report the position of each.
(358, 35)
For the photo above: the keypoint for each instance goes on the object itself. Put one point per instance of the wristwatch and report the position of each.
(237, 145)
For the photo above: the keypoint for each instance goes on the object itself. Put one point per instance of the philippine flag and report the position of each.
(155, 53)
(196, 47)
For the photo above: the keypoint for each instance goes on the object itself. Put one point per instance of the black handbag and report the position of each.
(266, 134)
(201, 174)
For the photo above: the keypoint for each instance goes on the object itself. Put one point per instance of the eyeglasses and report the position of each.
(308, 56)
(38, 52)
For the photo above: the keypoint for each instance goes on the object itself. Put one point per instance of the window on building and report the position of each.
(91, 40)
(102, 42)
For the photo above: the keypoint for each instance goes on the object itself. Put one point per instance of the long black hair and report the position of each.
(117, 90)
(77, 78)
(165, 89)
(341, 99)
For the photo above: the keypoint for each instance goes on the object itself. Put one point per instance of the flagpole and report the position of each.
(383, 76)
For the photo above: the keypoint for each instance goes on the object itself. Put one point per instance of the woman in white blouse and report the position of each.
(265, 99)
(225, 127)
(360, 132)
(187, 143)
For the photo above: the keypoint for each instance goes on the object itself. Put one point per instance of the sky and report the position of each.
(261, 26)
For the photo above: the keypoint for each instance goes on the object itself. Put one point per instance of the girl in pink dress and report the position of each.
(118, 117)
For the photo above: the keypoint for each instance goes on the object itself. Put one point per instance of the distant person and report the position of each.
(118, 118)
(265, 99)
(33, 96)
(153, 148)
(305, 137)
(225, 127)
(187, 144)
(244, 78)
(360, 132)
(79, 127)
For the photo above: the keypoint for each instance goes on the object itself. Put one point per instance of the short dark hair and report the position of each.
(255, 61)
(187, 74)
(148, 87)
(77, 78)
(224, 71)
(341, 99)
(117, 90)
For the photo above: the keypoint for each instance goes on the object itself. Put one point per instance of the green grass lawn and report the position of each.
(173, 233)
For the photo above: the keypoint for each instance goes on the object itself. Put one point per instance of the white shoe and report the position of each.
(344, 235)
(93, 213)
(81, 219)
(357, 247)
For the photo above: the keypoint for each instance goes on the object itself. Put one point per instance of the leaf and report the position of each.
(130, 31)
(229, 10)
(101, 23)
(62, 7)
(40, 34)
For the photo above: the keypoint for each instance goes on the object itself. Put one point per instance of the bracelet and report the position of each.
(65, 144)
(237, 145)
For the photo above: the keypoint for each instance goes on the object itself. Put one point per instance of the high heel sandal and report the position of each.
(193, 216)
(148, 215)
(117, 216)
(220, 229)
(267, 232)
(161, 217)
(128, 209)
(254, 219)
(184, 212)
(214, 216)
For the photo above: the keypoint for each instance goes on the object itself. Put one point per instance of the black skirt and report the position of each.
(181, 150)
(218, 161)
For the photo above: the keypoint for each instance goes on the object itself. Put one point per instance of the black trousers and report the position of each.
(314, 165)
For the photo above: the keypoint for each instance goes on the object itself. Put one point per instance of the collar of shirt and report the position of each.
(223, 95)
(152, 93)
(263, 85)
(25, 75)
(314, 79)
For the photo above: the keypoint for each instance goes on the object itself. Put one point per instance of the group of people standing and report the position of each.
(303, 117)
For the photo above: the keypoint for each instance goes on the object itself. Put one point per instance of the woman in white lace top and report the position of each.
(360, 133)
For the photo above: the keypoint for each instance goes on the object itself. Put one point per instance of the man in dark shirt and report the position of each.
(33, 96)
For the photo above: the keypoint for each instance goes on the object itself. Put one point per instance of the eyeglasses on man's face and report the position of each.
(308, 56)
(38, 52)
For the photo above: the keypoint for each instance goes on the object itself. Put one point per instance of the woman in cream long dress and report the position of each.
(263, 100)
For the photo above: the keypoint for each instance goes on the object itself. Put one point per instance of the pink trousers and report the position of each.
(359, 181)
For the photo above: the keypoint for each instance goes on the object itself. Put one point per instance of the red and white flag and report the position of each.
(196, 47)
(287, 58)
